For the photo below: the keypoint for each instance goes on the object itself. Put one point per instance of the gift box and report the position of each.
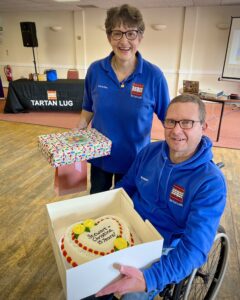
(73, 146)
(88, 278)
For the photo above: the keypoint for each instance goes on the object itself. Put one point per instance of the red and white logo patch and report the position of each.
(137, 89)
(177, 194)
(52, 95)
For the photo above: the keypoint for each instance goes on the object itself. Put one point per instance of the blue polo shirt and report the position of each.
(123, 111)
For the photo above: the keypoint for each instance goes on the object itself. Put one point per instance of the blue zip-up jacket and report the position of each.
(183, 201)
(124, 111)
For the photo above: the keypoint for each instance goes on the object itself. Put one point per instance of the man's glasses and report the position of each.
(184, 124)
(130, 34)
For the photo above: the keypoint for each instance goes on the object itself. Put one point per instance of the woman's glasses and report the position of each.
(130, 34)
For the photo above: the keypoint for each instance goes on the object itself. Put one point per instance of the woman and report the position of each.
(122, 91)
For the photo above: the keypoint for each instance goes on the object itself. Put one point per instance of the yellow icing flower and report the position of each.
(78, 229)
(120, 243)
(89, 223)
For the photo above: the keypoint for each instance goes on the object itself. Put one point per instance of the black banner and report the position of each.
(60, 95)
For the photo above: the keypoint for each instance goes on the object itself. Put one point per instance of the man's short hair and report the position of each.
(126, 15)
(190, 98)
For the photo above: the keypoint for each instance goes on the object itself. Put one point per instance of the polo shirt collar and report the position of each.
(107, 63)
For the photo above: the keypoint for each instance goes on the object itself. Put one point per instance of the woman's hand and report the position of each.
(85, 119)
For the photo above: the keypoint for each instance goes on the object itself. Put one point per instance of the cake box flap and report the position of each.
(90, 277)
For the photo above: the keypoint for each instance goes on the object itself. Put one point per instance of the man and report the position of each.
(176, 185)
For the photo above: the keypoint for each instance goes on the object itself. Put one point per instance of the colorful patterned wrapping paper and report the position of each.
(73, 146)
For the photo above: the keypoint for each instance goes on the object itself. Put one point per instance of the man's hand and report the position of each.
(131, 281)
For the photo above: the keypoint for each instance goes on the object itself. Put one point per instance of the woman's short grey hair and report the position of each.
(184, 98)
(126, 15)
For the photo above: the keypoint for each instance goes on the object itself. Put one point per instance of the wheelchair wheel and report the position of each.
(204, 283)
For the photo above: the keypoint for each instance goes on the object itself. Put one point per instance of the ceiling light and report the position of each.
(102, 27)
(55, 28)
(223, 26)
(159, 27)
(66, 1)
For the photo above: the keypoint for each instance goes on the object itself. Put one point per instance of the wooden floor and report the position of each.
(28, 269)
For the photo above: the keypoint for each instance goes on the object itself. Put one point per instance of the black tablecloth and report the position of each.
(60, 95)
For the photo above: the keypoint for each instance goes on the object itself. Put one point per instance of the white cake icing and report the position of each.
(100, 237)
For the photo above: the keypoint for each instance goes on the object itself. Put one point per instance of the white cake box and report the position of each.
(88, 278)
(73, 146)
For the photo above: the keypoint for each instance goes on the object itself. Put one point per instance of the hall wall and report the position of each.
(191, 47)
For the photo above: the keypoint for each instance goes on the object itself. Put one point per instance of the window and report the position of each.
(231, 67)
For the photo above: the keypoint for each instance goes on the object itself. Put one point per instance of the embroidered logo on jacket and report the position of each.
(137, 90)
(177, 194)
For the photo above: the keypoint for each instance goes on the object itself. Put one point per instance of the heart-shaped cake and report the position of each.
(90, 239)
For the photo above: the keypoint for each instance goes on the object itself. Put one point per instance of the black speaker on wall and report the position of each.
(29, 34)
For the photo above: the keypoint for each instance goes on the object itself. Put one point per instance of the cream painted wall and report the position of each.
(97, 45)
(204, 47)
(163, 48)
(55, 49)
(191, 47)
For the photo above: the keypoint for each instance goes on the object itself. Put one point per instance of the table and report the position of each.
(61, 95)
(223, 101)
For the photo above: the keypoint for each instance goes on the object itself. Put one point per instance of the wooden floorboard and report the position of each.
(28, 269)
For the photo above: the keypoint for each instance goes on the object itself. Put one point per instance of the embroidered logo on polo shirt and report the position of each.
(177, 194)
(101, 86)
(137, 90)
(52, 95)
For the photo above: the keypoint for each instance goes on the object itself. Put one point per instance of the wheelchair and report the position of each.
(203, 283)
